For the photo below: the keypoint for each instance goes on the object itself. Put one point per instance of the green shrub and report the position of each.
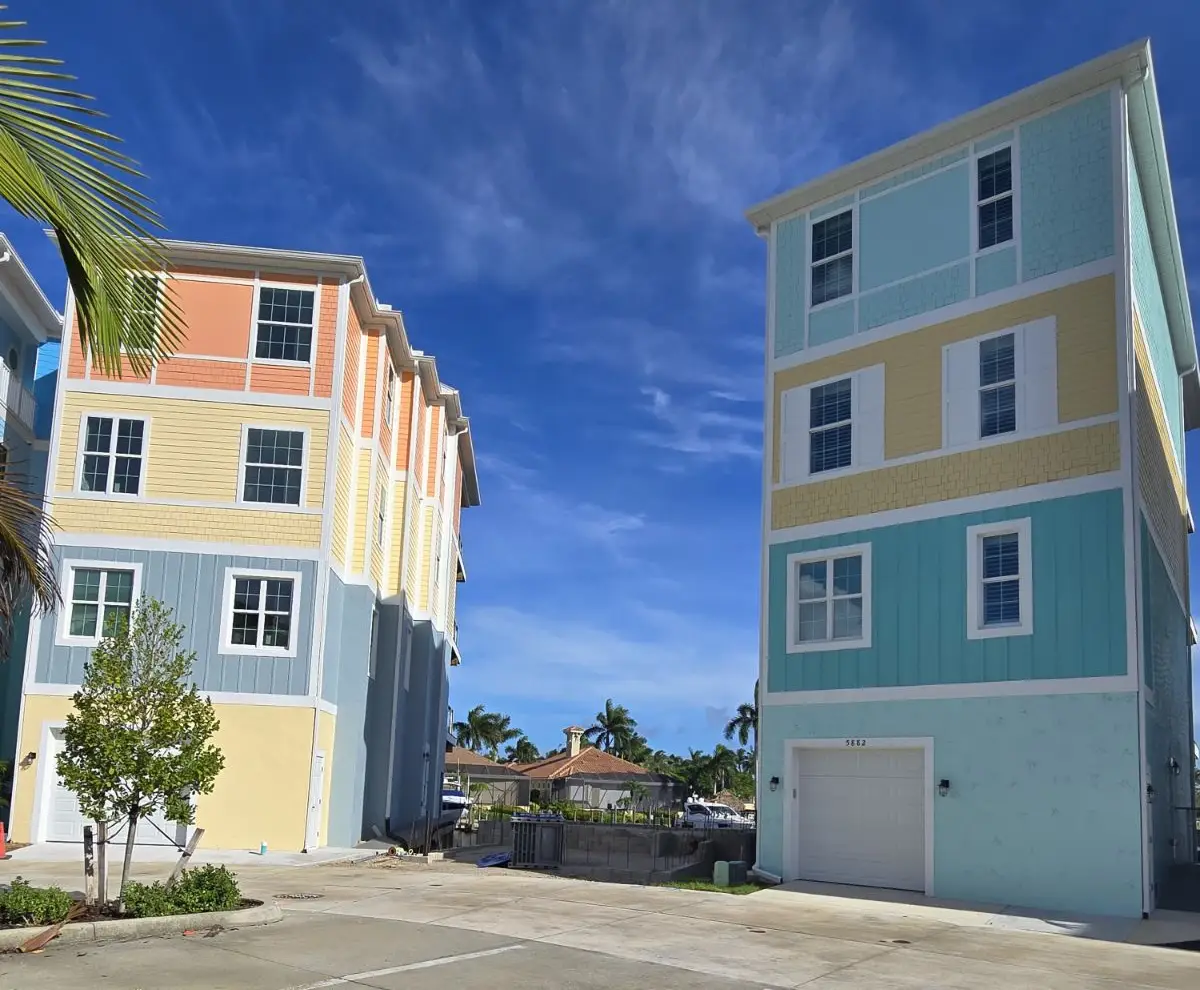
(22, 904)
(206, 888)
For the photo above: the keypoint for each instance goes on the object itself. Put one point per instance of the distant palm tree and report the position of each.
(484, 731)
(522, 751)
(635, 750)
(722, 765)
(59, 170)
(613, 729)
(744, 723)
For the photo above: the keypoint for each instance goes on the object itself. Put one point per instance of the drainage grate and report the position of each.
(298, 897)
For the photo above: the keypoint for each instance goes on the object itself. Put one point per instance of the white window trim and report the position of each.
(974, 587)
(62, 636)
(860, 458)
(853, 423)
(159, 277)
(1017, 381)
(228, 647)
(381, 514)
(1015, 242)
(852, 295)
(828, 554)
(389, 395)
(254, 321)
(81, 450)
(241, 475)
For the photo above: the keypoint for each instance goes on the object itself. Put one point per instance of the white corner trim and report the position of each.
(828, 555)
(239, 498)
(792, 748)
(227, 646)
(976, 629)
(1119, 684)
(952, 507)
(62, 635)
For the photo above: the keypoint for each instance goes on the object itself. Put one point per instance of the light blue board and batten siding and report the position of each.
(1043, 789)
(913, 236)
(193, 585)
(1147, 293)
(919, 600)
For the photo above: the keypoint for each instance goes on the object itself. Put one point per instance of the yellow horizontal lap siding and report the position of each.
(424, 594)
(396, 525)
(1053, 457)
(412, 544)
(374, 547)
(326, 727)
(342, 487)
(261, 795)
(1159, 481)
(1085, 316)
(363, 520)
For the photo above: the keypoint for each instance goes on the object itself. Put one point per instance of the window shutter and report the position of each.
(960, 393)
(1040, 378)
(793, 435)
(868, 417)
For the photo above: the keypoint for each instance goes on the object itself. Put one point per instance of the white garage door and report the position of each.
(861, 816)
(64, 820)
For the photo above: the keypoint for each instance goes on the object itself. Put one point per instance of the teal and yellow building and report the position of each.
(975, 632)
(290, 482)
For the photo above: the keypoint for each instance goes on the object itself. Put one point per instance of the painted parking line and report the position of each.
(334, 981)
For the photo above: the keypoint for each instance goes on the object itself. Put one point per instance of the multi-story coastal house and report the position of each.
(980, 367)
(290, 482)
(27, 321)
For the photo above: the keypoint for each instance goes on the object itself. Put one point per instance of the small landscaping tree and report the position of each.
(138, 739)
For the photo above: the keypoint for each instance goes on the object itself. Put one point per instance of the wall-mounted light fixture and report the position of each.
(27, 760)
(1173, 764)
(1150, 791)
(774, 783)
(943, 787)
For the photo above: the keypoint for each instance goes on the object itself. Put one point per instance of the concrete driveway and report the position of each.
(413, 926)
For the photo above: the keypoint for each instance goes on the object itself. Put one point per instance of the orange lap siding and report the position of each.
(279, 378)
(326, 340)
(350, 371)
(404, 399)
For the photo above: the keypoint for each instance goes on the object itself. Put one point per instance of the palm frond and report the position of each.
(59, 169)
(26, 565)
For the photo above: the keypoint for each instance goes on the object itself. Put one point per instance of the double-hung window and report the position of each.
(999, 579)
(389, 396)
(829, 426)
(273, 468)
(100, 602)
(114, 452)
(832, 258)
(997, 386)
(829, 599)
(380, 513)
(285, 324)
(994, 189)
(141, 326)
(260, 613)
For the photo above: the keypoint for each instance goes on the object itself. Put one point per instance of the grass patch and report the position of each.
(741, 888)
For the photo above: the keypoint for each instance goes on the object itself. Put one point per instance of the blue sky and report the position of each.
(553, 194)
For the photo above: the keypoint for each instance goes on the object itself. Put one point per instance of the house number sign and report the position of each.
(856, 742)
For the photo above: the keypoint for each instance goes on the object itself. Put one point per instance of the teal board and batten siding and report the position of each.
(919, 601)
(913, 235)
(192, 585)
(1147, 293)
(1043, 806)
(1167, 669)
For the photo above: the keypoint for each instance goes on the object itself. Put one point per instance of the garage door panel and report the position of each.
(861, 816)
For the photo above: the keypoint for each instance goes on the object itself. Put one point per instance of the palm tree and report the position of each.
(635, 750)
(522, 751)
(613, 729)
(484, 731)
(744, 723)
(59, 170)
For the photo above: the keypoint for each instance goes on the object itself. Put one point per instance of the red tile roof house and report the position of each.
(502, 784)
(592, 778)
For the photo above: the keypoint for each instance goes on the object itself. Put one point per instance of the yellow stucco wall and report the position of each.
(1053, 457)
(260, 796)
(1087, 364)
(1160, 483)
(192, 455)
(326, 726)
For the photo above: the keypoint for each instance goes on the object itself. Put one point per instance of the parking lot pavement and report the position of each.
(312, 951)
(394, 923)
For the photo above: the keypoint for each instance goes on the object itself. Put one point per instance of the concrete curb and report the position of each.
(125, 929)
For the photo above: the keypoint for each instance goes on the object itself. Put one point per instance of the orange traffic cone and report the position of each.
(3, 843)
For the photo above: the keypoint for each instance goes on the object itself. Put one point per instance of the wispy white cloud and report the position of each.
(700, 429)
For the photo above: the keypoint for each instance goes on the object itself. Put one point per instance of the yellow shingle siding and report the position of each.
(343, 485)
(1159, 482)
(363, 520)
(1053, 457)
(192, 454)
(1087, 364)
